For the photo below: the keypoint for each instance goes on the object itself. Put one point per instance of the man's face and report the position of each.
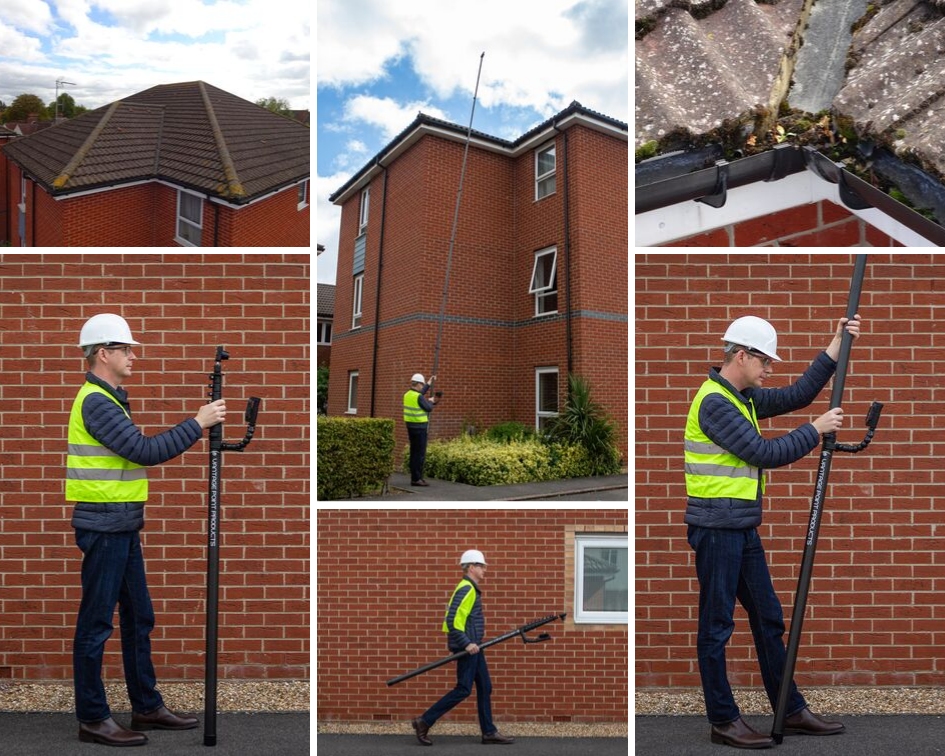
(757, 368)
(120, 360)
(477, 572)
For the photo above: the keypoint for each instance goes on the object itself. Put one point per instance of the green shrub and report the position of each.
(355, 455)
(584, 422)
(510, 432)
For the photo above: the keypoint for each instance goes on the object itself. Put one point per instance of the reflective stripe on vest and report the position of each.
(711, 471)
(94, 472)
(413, 412)
(463, 610)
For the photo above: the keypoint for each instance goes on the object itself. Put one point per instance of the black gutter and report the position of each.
(377, 296)
(711, 185)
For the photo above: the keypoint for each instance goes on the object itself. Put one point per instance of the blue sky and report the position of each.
(378, 63)
(113, 48)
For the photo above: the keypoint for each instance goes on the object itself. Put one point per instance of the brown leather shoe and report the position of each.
(807, 723)
(162, 719)
(419, 483)
(422, 728)
(740, 734)
(498, 738)
(109, 732)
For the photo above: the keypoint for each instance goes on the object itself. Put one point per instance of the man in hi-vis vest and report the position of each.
(106, 477)
(465, 625)
(726, 457)
(417, 409)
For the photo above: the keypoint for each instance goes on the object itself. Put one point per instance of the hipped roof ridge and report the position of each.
(234, 187)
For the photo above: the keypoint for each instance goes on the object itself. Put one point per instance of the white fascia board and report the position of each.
(878, 219)
(743, 203)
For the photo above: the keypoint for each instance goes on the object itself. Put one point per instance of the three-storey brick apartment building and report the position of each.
(538, 285)
(183, 164)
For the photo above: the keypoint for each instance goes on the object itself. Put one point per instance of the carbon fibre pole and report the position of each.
(459, 196)
(816, 508)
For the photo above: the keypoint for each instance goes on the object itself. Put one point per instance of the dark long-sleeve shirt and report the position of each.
(722, 422)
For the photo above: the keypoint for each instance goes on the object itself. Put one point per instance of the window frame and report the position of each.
(357, 297)
(353, 375)
(177, 237)
(320, 327)
(541, 294)
(539, 414)
(364, 210)
(596, 540)
(547, 174)
(304, 201)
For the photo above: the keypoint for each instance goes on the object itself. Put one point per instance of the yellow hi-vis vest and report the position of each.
(413, 412)
(711, 471)
(94, 472)
(462, 612)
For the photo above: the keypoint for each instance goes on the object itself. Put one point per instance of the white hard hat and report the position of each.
(754, 333)
(106, 329)
(472, 557)
(417, 378)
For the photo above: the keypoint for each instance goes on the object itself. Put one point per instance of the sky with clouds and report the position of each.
(113, 48)
(380, 62)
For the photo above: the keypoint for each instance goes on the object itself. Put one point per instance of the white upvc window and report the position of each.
(356, 312)
(303, 195)
(365, 210)
(353, 392)
(324, 332)
(544, 171)
(602, 579)
(544, 281)
(22, 204)
(189, 219)
(546, 395)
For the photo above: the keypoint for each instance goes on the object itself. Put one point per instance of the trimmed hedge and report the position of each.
(355, 455)
(481, 462)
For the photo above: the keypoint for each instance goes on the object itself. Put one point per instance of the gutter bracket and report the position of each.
(716, 198)
(782, 155)
(834, 173)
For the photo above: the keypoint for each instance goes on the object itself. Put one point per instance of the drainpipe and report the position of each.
(377, 296)
(567, 256)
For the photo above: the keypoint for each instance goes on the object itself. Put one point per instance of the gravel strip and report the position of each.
(284, 695)
(515, 729)
(846, 700)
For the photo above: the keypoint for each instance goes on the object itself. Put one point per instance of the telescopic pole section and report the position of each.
(459, 196)
(816, 509)
(213, 560)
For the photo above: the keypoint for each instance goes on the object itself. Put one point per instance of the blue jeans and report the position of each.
(469, 669)
(113, 573)
(730, 564)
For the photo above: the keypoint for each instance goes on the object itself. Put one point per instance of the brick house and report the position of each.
(543, 223)
(541, 563)
(326, 315)
(176, 165)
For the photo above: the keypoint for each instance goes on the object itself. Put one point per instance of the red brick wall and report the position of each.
(273, 222)
(380, 616)
(821, 224)
(487, 369)
(180, 307)
(876, 611)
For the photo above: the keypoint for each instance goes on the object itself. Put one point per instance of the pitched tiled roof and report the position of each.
(192, 134)
(326, 300)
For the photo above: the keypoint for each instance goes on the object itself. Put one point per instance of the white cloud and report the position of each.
(387, 114)
(26, 15)
(569, 50)
(14, 44)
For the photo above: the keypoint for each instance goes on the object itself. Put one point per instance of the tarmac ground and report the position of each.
(238, 734)
(887, 735)
(470, 745)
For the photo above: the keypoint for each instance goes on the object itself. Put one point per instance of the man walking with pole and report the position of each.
(725, 459)
(466, 627)
(106, 477)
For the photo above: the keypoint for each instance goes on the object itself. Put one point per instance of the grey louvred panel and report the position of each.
(359, 244)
